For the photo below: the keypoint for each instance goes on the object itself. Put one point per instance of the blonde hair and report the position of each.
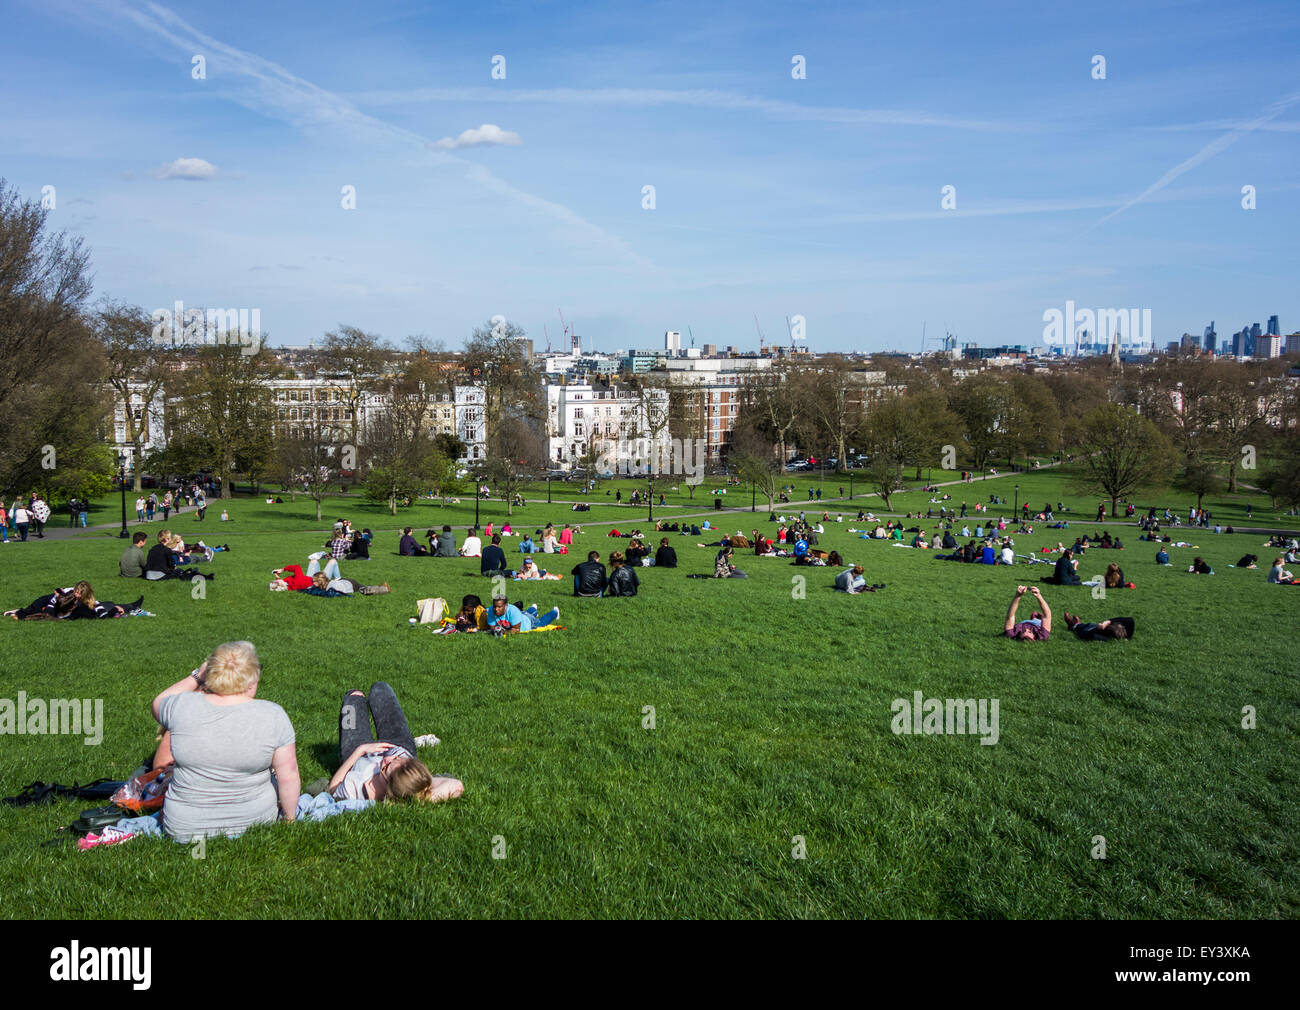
(232, 668)
(410, 780)
(84, 593)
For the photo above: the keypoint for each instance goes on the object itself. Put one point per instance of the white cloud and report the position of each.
(187, 168)
(485, 135)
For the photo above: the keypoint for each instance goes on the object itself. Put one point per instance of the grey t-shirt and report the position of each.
(222, 783)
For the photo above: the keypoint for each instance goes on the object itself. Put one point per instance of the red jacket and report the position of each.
(292, 574)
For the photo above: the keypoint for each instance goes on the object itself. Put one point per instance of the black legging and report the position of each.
(42, 604)
(354, 721)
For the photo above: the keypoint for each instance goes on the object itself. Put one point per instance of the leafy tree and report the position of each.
(223, 402)
(1122, 452)
(983, 403)
(138, 365)
(1200, 479)
(51, 367)
(355, 362)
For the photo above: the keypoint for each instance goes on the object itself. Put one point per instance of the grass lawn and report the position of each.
(772, 720)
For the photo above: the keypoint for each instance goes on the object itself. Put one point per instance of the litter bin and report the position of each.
(717, 504)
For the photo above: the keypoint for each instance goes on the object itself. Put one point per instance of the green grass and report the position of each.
(772, 720)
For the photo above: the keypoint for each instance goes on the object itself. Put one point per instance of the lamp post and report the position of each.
(854, 453)
(1016, 508)
(650, 496)
(121, 483)
(476, 500)
(753, 497)
(548, 487)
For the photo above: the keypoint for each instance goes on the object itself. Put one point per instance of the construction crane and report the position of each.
(762, 340)
(548, 338)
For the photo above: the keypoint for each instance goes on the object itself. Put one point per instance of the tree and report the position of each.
(1122, 452)
(775, 404)
(138, 366)
(751, 457)
(307, 462)
(355, 362)
(496, 357)
(515, 449)
(983, 404)
(52, 404)
(402, 457)
(834, 398)
(1200, 479)
(223, 402)
(893, 436)
(1033, 420)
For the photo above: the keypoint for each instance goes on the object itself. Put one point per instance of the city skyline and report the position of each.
(774, 196)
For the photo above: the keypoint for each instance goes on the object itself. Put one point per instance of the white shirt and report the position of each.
(1008, 556)
(472, 548)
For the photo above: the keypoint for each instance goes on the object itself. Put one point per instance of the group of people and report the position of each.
(24, 516)
(166, 558)
(1038, 626)
(442, 544)
(233, 756)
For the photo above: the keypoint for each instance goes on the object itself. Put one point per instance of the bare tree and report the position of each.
(355, 363)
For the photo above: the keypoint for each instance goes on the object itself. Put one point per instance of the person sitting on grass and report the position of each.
(493, 561)
(531, 573)
(526, 545)
(506, 619)
(1199, 567)
(1116, 627)
(1113, 579)
(1278, 576)
(225, 745)
(473, 546)
(359, 548)
(408, 548)
(1248, 561)
(1037, 627)
(132, 563)
(161, 562)
(724, 569)
(386, 769)
(589, 577)
(851, 580)
(636, 550)
(1066, 572)
(623, 579)
(1162, 556)
(665, 556)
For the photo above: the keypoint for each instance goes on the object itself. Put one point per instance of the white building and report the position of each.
(583, 418)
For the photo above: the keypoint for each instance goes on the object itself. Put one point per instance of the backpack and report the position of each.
(430, 610)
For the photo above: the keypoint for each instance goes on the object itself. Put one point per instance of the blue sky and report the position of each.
(774, 196)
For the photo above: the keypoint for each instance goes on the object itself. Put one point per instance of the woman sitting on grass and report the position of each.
(1199, 567)
(623, 580)
(1114, 577)
(225, 745)
(386, 769)
(1278, 576)
(724, 569)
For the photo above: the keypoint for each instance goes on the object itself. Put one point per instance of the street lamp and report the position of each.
(121, 483)
(1016, 509)
(650, 496)
(476, 500)
(753, 497)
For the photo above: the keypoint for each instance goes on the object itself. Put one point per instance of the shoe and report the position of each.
(428, 740)
(110, 836)
(134, 606)
(209, 575)
(225, 547)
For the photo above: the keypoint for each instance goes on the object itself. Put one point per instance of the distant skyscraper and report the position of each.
(1211, 338)
(673, 341)
(1274, 327)
(1255, 331)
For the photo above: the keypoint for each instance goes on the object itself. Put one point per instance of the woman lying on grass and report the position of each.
(72, 604)
(1116, 627)
(385, 769)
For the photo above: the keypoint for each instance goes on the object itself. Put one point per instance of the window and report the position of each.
(577, 412)
(577, 429)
